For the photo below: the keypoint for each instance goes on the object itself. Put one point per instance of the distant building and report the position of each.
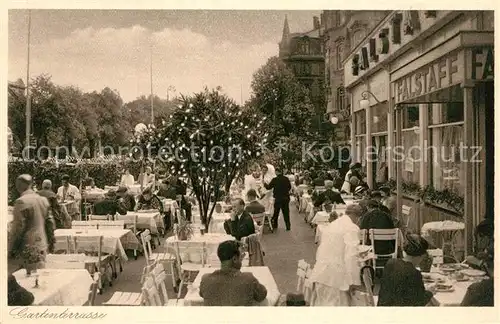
(341, 31)
(303, 53)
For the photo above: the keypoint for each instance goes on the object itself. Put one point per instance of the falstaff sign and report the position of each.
(391, 36)
(440, 74)
(481, 60)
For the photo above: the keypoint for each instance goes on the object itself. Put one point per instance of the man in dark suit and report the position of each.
(241, 223)
(281, 191)
(109, 206)
(229, 286)
(254, 207)
(329, 195)
(125, 199)
(377, 219)
(60, 216)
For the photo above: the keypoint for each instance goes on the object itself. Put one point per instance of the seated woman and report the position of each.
(482, 293)
(147, 200)
(402, 283)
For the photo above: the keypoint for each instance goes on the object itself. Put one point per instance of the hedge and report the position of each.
(103, 171)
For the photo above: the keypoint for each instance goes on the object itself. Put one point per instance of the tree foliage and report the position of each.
(207, 139)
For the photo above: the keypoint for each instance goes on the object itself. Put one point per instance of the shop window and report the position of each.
(446, 137)
(410, 117)
(360, 117)
(410, 157)
(379, 115)
(446, 113)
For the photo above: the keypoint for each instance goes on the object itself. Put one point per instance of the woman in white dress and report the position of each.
(250, 182)
(266, 195)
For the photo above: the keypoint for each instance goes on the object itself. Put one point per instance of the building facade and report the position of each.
(421, 91)
(341, 30)
(303, 53)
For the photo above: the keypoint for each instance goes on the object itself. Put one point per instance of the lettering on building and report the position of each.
(437, 75)
(482, 63)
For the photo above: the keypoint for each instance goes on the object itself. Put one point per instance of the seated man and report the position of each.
(253, 206)
(229, 286)
(378, 219)
(109, 206)
(16, 294)
(328, 195)
(147, 200)
(125, 199)
(241, 223)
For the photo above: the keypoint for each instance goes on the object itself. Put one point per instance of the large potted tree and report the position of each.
(207, 139)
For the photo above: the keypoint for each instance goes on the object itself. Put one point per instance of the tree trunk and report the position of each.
(70, 146)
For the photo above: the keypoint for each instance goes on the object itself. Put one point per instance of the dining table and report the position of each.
(57, 287)
(115, 241)
(262, 274)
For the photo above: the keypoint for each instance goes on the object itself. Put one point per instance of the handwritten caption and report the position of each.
(27, 313)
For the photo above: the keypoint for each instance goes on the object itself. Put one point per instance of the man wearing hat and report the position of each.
(109, 205)
(354, 171)
(125, 199)
(28, 240)
(329, 195)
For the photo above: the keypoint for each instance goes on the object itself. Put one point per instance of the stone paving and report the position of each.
(283, 250)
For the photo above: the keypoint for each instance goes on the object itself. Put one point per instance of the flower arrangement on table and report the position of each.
(184, 230)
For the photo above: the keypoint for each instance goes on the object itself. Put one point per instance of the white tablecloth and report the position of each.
(455, 297)
(323, 216)
(94, 194)
(212, 241)
(217, 223)
(57, 287)
(263, 275)
(441, 227)
(150, 220)
(115, 241)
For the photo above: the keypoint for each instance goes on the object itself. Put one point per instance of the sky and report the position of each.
(92, 49)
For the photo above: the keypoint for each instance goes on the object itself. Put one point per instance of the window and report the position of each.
(340, 55)
(304, 47)
(360, 117)
(315, 69)
(445, 138)
(340, 98)
(357, 37)
(410, 117)
(411, 156)
(379, 115)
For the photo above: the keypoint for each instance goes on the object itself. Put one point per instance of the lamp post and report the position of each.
(364, 104)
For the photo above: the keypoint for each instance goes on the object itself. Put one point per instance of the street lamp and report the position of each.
(365, 103)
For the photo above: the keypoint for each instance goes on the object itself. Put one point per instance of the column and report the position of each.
(368, 147)
(423, 110)
(399, 163)
(468, 140)
(353, 130)
(390, 133)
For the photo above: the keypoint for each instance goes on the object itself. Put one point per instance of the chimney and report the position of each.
(316, 22)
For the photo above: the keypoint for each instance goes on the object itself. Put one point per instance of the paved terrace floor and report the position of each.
(283, 250)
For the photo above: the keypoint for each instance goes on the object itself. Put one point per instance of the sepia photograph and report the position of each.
(310, 158)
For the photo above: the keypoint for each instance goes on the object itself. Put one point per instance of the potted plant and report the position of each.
(183, 230)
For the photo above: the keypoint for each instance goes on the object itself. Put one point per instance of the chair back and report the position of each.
(406, 211)
(146, 271)
(83, 225)
(160, 275)
(362, 236)
(385, 235)
(110, 225)
(302, 268)
(89, 245)
(100, 217)
(129, 221)
(192, 252)
(366, 275)
(62, 244)
(93, 288)
(146, 244)
(258, 218)
(150, 292)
